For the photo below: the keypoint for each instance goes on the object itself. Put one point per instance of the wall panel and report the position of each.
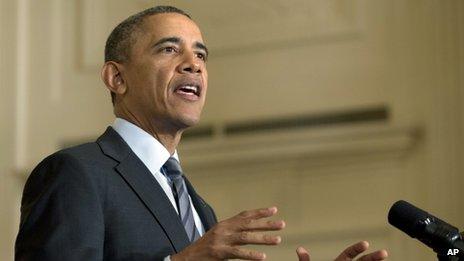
(269, 59)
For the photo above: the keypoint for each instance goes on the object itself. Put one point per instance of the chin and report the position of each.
(187, 121)
(190, 122)
(189, 117)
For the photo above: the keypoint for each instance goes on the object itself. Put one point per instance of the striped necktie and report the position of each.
(174, 174)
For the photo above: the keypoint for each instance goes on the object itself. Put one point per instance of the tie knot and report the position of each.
(172, 169)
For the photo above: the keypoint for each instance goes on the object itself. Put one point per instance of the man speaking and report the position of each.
(124, 197)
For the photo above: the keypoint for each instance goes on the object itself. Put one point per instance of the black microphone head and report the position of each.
(407, 218)
(430, 230)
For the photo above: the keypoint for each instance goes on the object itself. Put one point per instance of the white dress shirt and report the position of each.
(153, 154)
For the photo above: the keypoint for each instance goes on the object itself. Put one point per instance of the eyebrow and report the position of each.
(177, 40)
(202, 47)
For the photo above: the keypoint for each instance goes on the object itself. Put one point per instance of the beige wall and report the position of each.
(8, 193)
(333, 184)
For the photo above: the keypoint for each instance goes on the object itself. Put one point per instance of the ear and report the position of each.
(111, 76)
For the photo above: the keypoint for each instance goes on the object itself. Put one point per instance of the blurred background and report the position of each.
(329, 110)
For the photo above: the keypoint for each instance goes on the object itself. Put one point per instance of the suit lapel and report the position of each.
(142, 182)
(206, 215)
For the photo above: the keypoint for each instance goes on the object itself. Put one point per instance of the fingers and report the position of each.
(303, 254)
(228, 235)
(262, 225)
(258, 213)
(353, 251)
(245, 238)
(223, 241)
(356, 249)
(349, 253)
(375, 256)
(242, 232)
(253, 220)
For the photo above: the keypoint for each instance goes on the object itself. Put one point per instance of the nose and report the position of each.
(189, 65)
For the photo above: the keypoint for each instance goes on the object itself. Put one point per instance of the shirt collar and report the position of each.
(148, 149)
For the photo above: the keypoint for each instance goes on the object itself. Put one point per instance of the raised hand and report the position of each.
(349, 254)
(225, 239)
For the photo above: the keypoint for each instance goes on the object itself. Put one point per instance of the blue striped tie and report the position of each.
(174, 173)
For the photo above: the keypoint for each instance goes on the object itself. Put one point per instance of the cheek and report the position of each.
(163, 77)
(142, 80)
(161, 88)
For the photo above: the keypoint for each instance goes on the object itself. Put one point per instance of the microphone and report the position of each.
(442, 237)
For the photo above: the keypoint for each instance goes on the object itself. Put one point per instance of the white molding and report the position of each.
(22, 81)
(279, 25)
(56, 54)
(92, 32)
(310, 143)
(275, 24)
(97, 19)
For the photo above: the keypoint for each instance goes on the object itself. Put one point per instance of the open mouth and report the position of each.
(190, 91)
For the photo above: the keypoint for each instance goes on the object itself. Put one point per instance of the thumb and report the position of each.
(303, 254)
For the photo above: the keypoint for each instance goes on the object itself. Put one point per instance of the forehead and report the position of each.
(171, 25)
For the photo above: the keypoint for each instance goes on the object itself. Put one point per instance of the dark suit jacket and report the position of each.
(98, 201)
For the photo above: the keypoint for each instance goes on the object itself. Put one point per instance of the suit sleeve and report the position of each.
(61, 213)
(213, 214)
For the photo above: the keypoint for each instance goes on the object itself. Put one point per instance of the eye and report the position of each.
(202, 56)
(169, 49)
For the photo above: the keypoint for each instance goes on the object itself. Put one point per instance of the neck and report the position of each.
(169, 141)
(168, 136)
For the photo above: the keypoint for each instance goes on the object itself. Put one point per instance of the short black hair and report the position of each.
(120, 41)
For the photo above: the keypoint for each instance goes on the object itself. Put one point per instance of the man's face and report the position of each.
(166, 73)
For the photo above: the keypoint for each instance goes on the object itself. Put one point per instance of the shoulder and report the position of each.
(76, 169)
(82, 158)
(62, 205)
(68, 162)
